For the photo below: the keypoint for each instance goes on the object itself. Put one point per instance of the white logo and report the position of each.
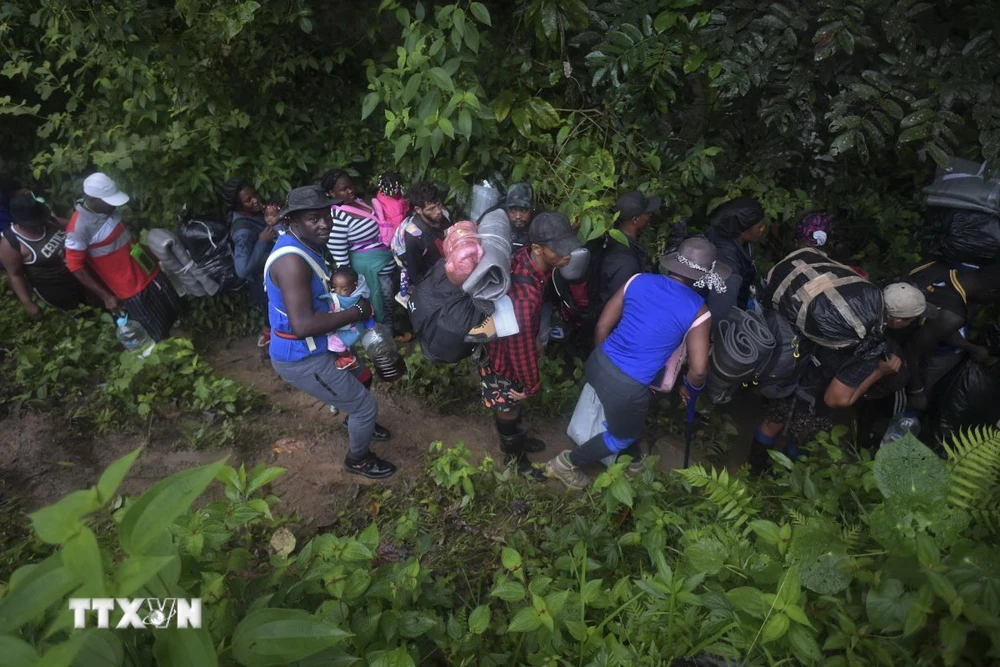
(139, 613)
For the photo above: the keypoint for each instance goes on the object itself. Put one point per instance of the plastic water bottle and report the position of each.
(134, 337)
(901, 424)
(381, 349)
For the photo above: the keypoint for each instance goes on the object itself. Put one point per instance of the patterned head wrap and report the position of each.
(814, 229)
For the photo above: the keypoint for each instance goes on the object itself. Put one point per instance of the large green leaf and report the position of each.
(136, 571)
(82, 557)
(113, 475)
(58, 522)
(102, 649)
(281, 636)
(158, 507)
(42, 586)
(907, 469)
(479, 619)
(15, 652)
(65, 653)
(706, 555)
(188, 646)
(819, 551)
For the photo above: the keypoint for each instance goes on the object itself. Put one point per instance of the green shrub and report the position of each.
(831, 562)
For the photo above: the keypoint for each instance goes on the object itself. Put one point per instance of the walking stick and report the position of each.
(689, 431)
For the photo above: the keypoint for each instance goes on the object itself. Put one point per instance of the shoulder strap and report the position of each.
(360, 212)
(320, 271)
(378, 209)
(11, 236)
(701, 319)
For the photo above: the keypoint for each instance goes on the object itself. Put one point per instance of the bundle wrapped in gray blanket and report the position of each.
(491, 278)
(175, 260)
(742, 344)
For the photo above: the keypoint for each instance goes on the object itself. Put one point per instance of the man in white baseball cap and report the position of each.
(905, 303)
(99, 186)
(103, 256)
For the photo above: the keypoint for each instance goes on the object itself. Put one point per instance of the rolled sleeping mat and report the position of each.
(175, 261)
(491, 278)
(743, 343)
(577, 267)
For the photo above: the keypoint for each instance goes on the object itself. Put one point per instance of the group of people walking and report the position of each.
(327, 262)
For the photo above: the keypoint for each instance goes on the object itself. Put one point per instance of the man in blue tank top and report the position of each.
(642, 325)
(296, 278)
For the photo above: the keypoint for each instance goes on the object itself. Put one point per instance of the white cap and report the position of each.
(102, 187)
(906, 302)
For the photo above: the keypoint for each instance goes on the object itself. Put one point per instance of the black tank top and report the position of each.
(43, 261)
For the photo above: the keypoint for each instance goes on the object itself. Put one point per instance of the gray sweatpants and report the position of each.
(625, 402)
(320, 378)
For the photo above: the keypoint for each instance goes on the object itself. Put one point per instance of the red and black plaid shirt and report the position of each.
(516, 357)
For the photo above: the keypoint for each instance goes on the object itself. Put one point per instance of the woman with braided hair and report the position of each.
(253, 231)
(355, 242)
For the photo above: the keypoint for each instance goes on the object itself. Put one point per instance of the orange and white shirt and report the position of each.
(103, 244)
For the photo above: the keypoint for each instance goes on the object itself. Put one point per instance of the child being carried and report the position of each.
(346, 289)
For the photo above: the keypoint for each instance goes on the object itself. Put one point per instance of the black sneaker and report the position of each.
(381, 433)
(371, 467)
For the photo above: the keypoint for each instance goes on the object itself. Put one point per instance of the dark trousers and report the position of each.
(156, 308)
(625, 402)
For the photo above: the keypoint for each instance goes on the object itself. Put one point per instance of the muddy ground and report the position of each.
(45, 456)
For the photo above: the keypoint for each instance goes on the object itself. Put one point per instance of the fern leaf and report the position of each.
(729, 495)
(974, 465)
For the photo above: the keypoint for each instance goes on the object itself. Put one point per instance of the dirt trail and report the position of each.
(44, 458)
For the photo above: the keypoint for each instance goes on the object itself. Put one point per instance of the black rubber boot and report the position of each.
(513, 448)
(759, 461)
(531, 445)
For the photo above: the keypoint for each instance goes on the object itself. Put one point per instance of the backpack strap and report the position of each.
(698, 321)
(318, 270)
(359, 212)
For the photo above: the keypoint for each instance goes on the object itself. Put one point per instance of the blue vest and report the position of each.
(658, 311)
(283, 348)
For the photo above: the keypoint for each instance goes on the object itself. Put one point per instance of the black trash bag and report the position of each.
(828, 302)
(442, 314)
(965, 397)
(956, 235)
(209, 244)
(792, 357)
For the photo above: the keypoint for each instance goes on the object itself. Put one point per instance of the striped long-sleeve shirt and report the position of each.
(354, 228)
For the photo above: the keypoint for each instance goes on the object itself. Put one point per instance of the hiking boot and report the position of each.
(483, 333)
(566, 472)
(381, 433)
(370, 466)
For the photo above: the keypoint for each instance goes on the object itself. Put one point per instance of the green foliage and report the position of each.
(483, 569)
(74, 362)
(846, 107)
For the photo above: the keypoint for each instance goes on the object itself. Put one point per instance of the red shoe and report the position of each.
(265, 337)
(348, 363)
